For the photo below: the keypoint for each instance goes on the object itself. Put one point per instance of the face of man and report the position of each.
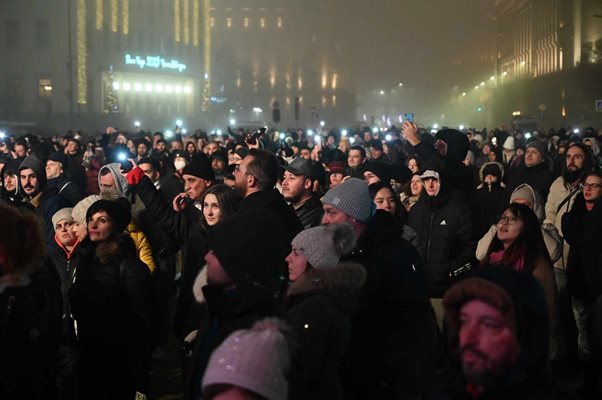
(486, 342)
(218, 165)
(10, 182)
(20, 150)
(216, 276)
(29, 181)
(575, 157)
(150, 172)
(241, 177)
(107, 182)
(211, 148)
(160, 147)
(355, 158)
(336, 178)
(334, 216)
(53, 169)
(592, 188)
(533, 157)
(64, 232)
(432, 186)
(195, 187)
(375, 153)
(294, 187)
(142, 150)
(370, 178)
(306, 154)
(71, 147)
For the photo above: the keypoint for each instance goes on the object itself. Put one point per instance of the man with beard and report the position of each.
(297, 190)
(255, 178)
(45, 200)
(578, 163)
(498, 328)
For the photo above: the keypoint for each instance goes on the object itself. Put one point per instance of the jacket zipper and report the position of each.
(428, 239)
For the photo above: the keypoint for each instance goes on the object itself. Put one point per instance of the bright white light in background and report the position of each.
(576, 130)
(159, 88)
(168, 134)
(282, 136)
(528, 135)
(322, 123)
(482, 83)
(219, 131)
(388, 138)
(2, 135)
(168, 89)
(127, 86)
(351, 140)
(148, 87)
(523, 62)
(344, 132)
(400, 84)
(184, 131)
(476, 87)
(137, 124)
(310, 132)
(178, 122)
(187, 89)
(375, 130)
(504, 73)
(116, 85)
(137, 87)
(232, 121)
(317, 138)
(461, 127)
(382, 92)
(435, 126)
(121, 156)
(257, 110)
(383, 129)
(433, 130)
(178, 89)
(492, 78)
(463, 93)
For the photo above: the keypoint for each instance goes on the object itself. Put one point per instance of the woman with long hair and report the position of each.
(411, 192)
(519, 243)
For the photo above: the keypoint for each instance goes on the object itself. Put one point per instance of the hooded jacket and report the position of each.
(550, 233)
(445, 235)
(120, 180)
(319, 306)
(486, 201)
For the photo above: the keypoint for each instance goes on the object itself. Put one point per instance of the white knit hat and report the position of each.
(80, 209)
(509, 143)
(62, 214)
(323, 246)
(255, 359)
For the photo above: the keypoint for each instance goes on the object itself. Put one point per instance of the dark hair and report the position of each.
(154, 163)
(377, 186)
(597, 172)
(226, 199)
(360, 149)
(529, 245)
(415, 158)
(264, 167)
(193, 145)
(588, 164)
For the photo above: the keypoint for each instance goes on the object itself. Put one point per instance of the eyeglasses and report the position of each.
(589, 186)
(507, 219)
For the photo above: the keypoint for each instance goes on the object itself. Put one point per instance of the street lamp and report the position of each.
(137, 124)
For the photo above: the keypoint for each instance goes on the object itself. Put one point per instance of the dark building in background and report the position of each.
(83, 63)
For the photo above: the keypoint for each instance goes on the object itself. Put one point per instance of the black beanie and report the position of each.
(199, 166)
(492, 169)
(457, 143)
(118, 210)
(382, 170)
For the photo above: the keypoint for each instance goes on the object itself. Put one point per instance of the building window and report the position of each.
(262, 22)
(229, 22)
(246, 22)
(42, 33)
(44, 89)
(279, 22)
(212, 22)
(12, 34)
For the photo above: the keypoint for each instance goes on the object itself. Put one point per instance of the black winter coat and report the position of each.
(539, 177)
(310, 213)
(394, 322)
(112, 305)
(319, 308)
(486, 205)
(445, 238)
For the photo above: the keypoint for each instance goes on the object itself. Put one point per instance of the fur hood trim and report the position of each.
(341, 282)
(199, 283)
(115, 249)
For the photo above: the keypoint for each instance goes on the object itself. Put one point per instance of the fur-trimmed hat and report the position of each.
(323, 246)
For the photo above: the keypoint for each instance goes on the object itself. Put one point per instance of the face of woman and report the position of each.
(509, 228)
(80, 231)
(100, 226)
(416, 185)
(413, 165)
(385, 200)
(297, 264)
(211, 209)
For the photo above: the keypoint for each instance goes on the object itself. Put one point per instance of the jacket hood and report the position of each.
(457, 143)
(526, 192)
(341, 282)
(595, 146)
(120, 180)
(491, 164)
(38, 168)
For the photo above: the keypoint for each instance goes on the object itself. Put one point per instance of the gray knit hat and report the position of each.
(352, 198)
(80, 209)
(323, 246)
(62, 214)
(539, 146)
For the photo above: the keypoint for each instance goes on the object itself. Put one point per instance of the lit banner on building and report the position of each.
(157, 62)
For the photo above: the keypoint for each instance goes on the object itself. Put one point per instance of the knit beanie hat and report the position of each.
(352, 198)
(509, 143)
(539, 146)
(380, 169)
(81, 208)
(523, 191)
(323, 246)
(199, 166)
(119, 211)
(255, 359)
(62, 214)
(58, 157)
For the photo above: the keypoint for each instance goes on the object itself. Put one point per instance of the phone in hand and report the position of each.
(252, 138)
(409, 117)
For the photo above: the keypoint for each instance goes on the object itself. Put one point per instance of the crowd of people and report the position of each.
(406, 264)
